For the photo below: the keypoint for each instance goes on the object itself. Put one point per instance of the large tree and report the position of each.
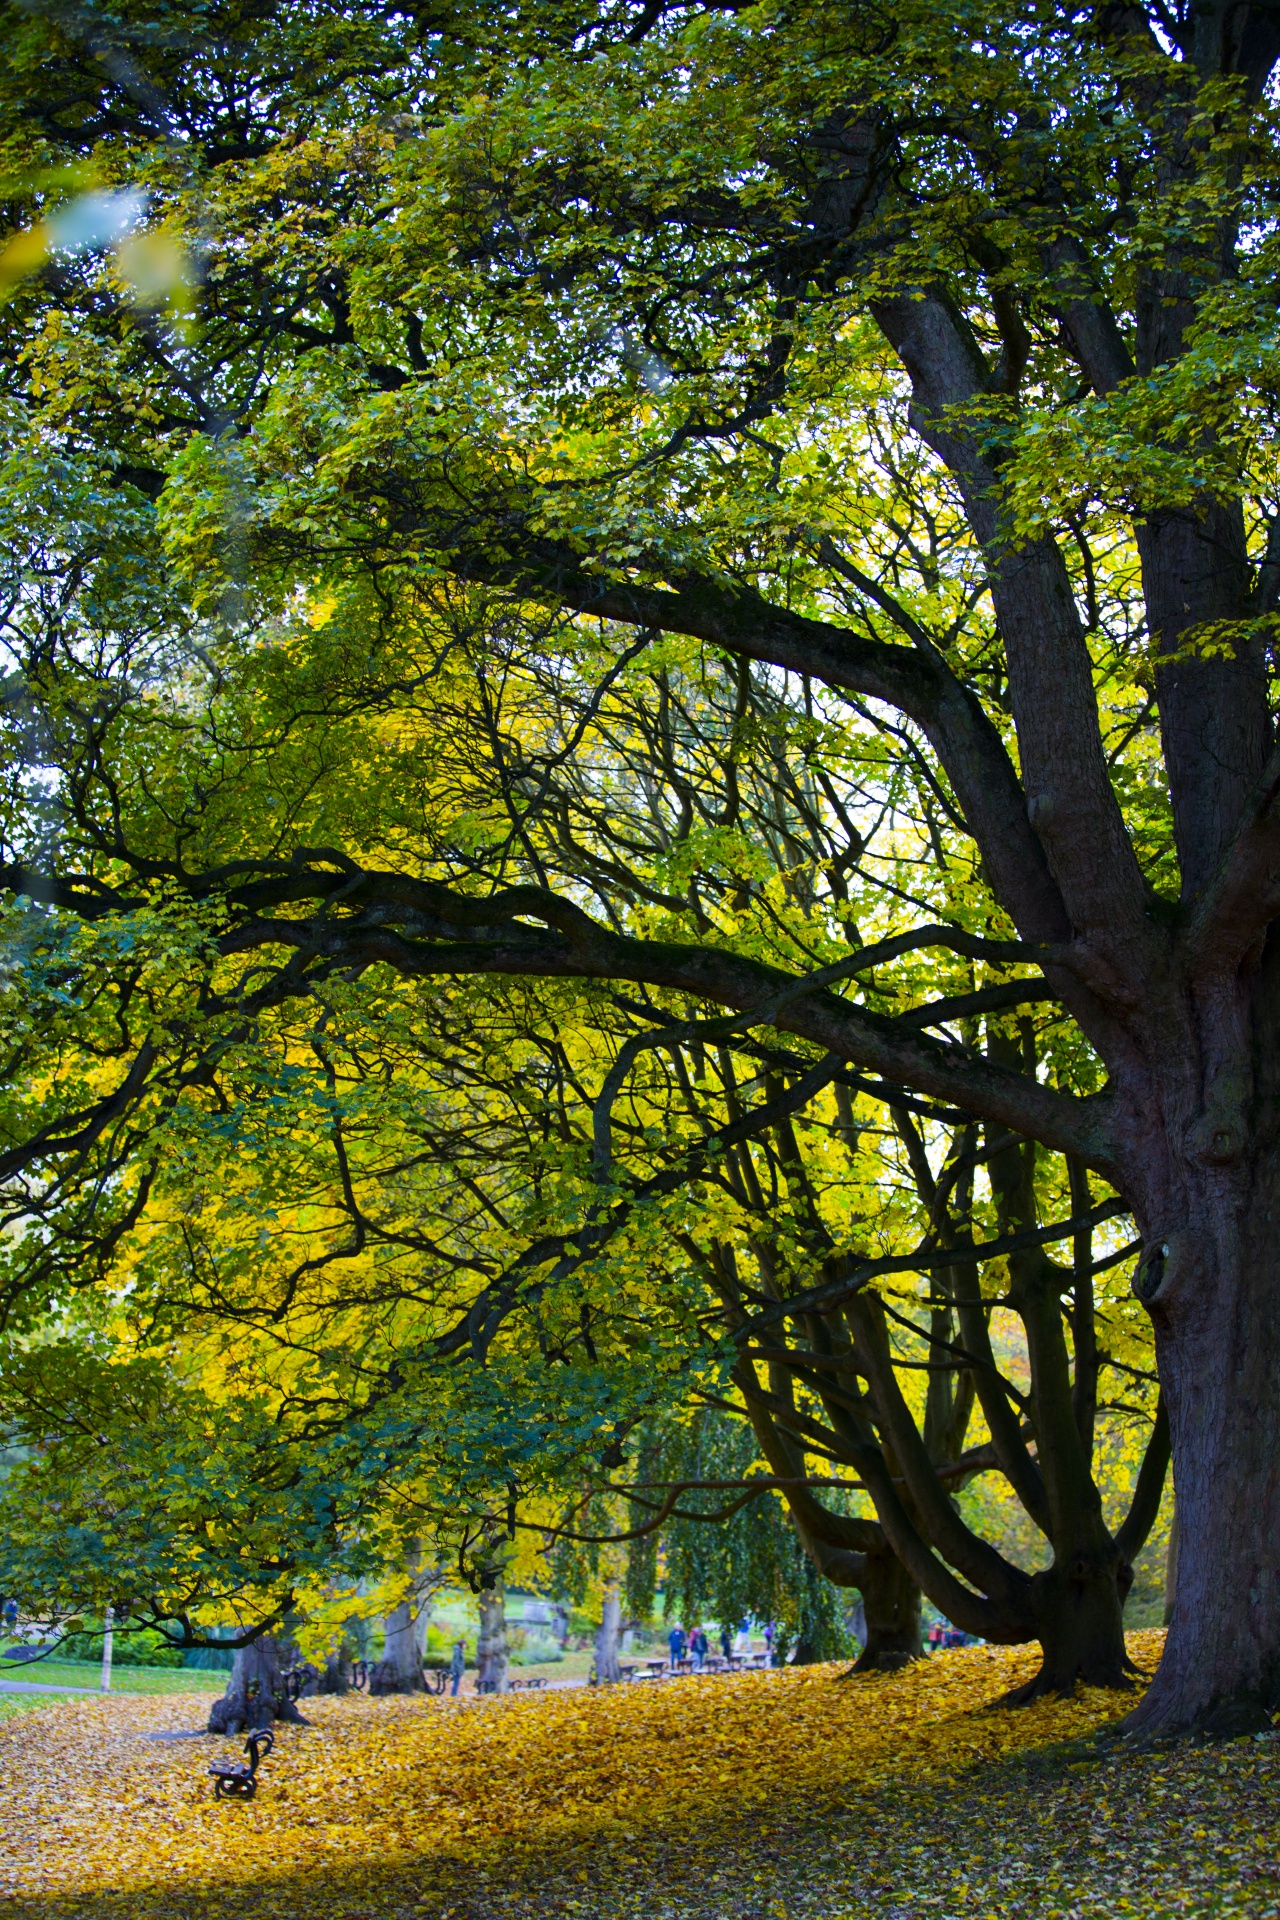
(622, 316)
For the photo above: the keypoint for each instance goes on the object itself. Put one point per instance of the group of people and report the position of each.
(942, 1635)
(695, 1646)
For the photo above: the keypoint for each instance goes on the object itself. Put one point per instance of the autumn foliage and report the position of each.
(580, 1800)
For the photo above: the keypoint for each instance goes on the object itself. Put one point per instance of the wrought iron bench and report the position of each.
(232, 1779)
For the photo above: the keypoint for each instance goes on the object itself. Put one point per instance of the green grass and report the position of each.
(88, 1673)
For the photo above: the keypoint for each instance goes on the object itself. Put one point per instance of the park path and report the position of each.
(40, 1686)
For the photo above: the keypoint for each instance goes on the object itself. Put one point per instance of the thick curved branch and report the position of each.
(1068, 793)
(421, 929)
(1145, 1505)
(1243, 897)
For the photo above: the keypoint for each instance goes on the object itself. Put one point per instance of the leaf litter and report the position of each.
(754, 1797)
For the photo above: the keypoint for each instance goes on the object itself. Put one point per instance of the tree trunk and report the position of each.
(491, 1646)
(848, 1553)
(255, 1694)
(891, 1610)
(1079, 1616)
(400, 1668)
(608, 1672)
(337, 1675)
(1210, 1289)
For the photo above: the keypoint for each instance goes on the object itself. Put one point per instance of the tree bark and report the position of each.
(1210, 1287)
(337, 1677)
(255, 1694)
(608, 1672)
(400, 1668)
(891, 1609)
(1079, 1621)
(491, 1647)
(1171, 1568)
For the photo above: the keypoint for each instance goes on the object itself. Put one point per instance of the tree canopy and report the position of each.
(757, 521)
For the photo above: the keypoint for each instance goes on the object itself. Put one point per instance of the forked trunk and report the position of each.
(1079, 1615)
(1211, 1290)
(891, 1610)
(491, 1646)
(255, 1695)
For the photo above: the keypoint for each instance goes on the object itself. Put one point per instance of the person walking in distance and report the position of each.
(676, 1642)
(457, 1665)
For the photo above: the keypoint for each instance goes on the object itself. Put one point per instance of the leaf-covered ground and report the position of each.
(753, 1798)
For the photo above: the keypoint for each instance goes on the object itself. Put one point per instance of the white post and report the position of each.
(107, 1637)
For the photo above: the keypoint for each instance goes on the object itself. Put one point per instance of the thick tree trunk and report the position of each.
(607, 1669)
(400, 1668)
(1079, 1616)
(337, 1676)
(891, 1609)
(1211, 1289)
(491, 1647)
(255, 1695)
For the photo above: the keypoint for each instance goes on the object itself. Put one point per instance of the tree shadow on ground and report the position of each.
(1070, 1832)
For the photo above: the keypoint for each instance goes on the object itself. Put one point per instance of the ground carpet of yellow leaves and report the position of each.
(757, 1797)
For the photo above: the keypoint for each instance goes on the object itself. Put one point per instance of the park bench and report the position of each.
(533, 1682)
(232, 1779)
(300, 1680)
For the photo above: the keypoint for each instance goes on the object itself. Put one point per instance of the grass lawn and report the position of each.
(786, 1796)
(88, 1673)
(574, 1666)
